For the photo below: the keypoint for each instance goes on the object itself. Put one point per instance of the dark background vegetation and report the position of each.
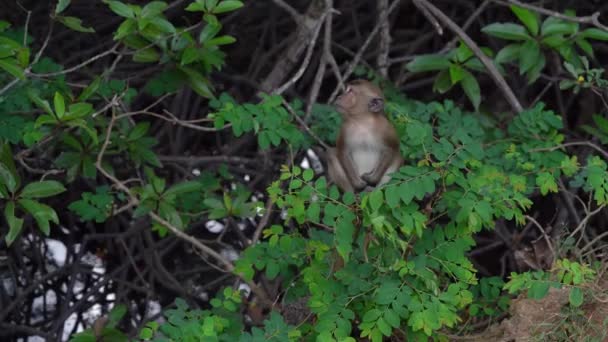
(140, 266)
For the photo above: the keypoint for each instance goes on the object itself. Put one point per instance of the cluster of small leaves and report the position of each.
(600, 130)
(14, 57)
(488, 298)
(25, 198)
(155, 39)
(527, 48)
(584, 77)
(71, 22)
(529, 40)
(269, 120)
(564, 273)
(594, 178)
(94, 206)
(221, 323)
(454, 67)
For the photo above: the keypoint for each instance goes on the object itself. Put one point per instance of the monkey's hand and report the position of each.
(359, 184)
(370, 178)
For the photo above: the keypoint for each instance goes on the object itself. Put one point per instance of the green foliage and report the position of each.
(488, 299)
(366, 265)
(94, 206)
(24, 198)
(269, 120)
(109, 332)
(565, 273)
(454, 67)
(583, 77)
(528, 42)
(153, 38)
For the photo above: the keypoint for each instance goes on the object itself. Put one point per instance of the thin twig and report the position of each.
(79, 66)
(583, 223)
(304, 125)
(542, 230)
(573, 143)
(311, 46)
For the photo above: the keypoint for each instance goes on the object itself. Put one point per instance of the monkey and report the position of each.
(367, 147)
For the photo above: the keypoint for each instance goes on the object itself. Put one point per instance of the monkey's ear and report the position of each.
(375, 105)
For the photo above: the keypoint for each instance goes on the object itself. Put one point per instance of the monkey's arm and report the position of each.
(349, 168)
(385, 158)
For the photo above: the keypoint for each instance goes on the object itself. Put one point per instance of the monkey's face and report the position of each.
(347, 102)
(360, 98)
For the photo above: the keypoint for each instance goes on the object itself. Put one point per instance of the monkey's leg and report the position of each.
(335, 171)
(348, 166)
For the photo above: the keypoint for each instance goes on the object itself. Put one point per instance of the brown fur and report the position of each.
(367, 148)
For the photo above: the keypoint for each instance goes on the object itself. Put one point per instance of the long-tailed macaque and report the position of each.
(367, 149)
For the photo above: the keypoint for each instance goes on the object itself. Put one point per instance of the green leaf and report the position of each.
(222, 40)
(538, 290)
(457, 73)
(121, 9)
(344, 237)
(6, 159)
(376, 200)
(183, 187)
(443, 82)
(61, 5)
(42, 189)
(153, 8)
(576, 296)
(528, 56)
(554, 26)
(78, 110)
(8, 178)
(585, 46)
(42, 213)
(90, 89)
(227, 6)
(59, 104)
(428, 63)
(138, 131)
(508, 54)
(308, 175)
(195, 7)
(146, 55)
(14, 223)
(85, 127)
(42, 104)
(546, 182)
(594, 33)
(211, 30)
(198, 82)
(508, 31)
(75, 24)
(23, 57)
(94, 206)
(371, 315)
(537, 68)
(11, 65)
(529, 18)
(471, 89)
